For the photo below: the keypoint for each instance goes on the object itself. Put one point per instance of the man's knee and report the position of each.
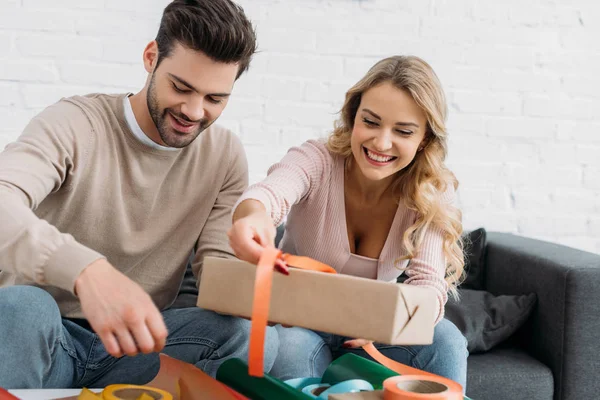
(27, 309)
(230, 334)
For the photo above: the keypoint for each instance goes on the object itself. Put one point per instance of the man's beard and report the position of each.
(167, 134)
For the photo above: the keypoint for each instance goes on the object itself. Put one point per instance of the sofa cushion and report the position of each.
(508, 374)
(475, 244)
(487, 320)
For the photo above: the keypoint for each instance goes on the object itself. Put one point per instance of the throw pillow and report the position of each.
(487, 320)
(475, 244)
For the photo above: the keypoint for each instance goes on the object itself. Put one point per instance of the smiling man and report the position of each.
(102, 200)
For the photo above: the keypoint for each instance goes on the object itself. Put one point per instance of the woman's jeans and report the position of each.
(304, 353)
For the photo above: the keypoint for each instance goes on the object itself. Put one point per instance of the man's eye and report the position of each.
(215, 100)
(179, 90)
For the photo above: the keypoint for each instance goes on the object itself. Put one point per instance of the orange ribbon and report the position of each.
(260, 310)
(395, 388)
(307, 263)
(435, 386)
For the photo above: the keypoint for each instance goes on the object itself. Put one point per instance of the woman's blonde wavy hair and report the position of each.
(425, 180)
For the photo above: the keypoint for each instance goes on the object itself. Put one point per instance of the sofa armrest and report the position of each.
(565, 326)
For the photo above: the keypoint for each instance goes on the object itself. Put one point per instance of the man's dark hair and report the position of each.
(218, 28)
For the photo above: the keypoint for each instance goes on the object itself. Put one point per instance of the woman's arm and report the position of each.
(264, 205)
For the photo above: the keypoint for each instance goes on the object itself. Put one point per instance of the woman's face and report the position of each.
(389, 128)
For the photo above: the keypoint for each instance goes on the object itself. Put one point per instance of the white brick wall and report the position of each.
(521, 78)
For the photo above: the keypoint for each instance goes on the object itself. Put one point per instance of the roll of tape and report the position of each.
(350, 386)
(453, 390)
(315, 389)
(415, 387)
(301, 383)
(134, 392)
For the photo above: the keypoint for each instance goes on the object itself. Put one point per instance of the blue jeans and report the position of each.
(39, 349)
(303, 353)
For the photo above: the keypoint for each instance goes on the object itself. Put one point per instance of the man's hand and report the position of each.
(119, 311)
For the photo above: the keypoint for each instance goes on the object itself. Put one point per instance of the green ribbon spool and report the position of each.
(350, 366)
(234, 373)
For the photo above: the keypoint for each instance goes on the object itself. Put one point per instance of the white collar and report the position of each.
(137, 131)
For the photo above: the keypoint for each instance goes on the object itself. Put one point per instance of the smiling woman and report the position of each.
(375, 201)
(399, 109)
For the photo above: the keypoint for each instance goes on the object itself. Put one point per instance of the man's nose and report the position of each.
(193, 109)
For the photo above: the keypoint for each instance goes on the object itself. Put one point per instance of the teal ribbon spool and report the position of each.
(351, 386)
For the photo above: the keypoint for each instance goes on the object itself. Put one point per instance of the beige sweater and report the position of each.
(78, 186)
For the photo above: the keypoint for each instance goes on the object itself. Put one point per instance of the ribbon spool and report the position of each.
(134, 392)
(413, 384)
(322, 391)
(301, 383)
(412, 387)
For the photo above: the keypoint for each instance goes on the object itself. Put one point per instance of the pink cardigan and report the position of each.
(307, 185)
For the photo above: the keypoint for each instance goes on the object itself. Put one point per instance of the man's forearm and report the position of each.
(32, 248)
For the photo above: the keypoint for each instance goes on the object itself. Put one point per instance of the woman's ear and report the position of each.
(424, 142)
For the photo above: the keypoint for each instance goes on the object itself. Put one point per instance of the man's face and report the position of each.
(187, 93)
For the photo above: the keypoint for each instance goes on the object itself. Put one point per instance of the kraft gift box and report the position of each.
(388, 313)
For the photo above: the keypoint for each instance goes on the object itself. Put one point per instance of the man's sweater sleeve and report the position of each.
(40, 162)
(213, 240)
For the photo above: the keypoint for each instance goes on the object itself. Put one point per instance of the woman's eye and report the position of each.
(406, 133)
(369, 122)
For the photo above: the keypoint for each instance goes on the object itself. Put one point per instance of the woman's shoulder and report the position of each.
(319, 148)
(447, 192)
(315, 153)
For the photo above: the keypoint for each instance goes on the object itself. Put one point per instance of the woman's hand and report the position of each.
(356, 343)
(250, 235)
(252, 231)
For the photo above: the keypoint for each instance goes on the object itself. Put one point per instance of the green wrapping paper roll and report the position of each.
(234, 373)
(350, 366)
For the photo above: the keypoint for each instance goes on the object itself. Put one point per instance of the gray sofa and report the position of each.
(556, 354)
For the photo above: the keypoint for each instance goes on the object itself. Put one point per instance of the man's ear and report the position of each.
(150, 56)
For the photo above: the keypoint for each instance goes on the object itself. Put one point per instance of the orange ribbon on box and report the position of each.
(413, 384)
